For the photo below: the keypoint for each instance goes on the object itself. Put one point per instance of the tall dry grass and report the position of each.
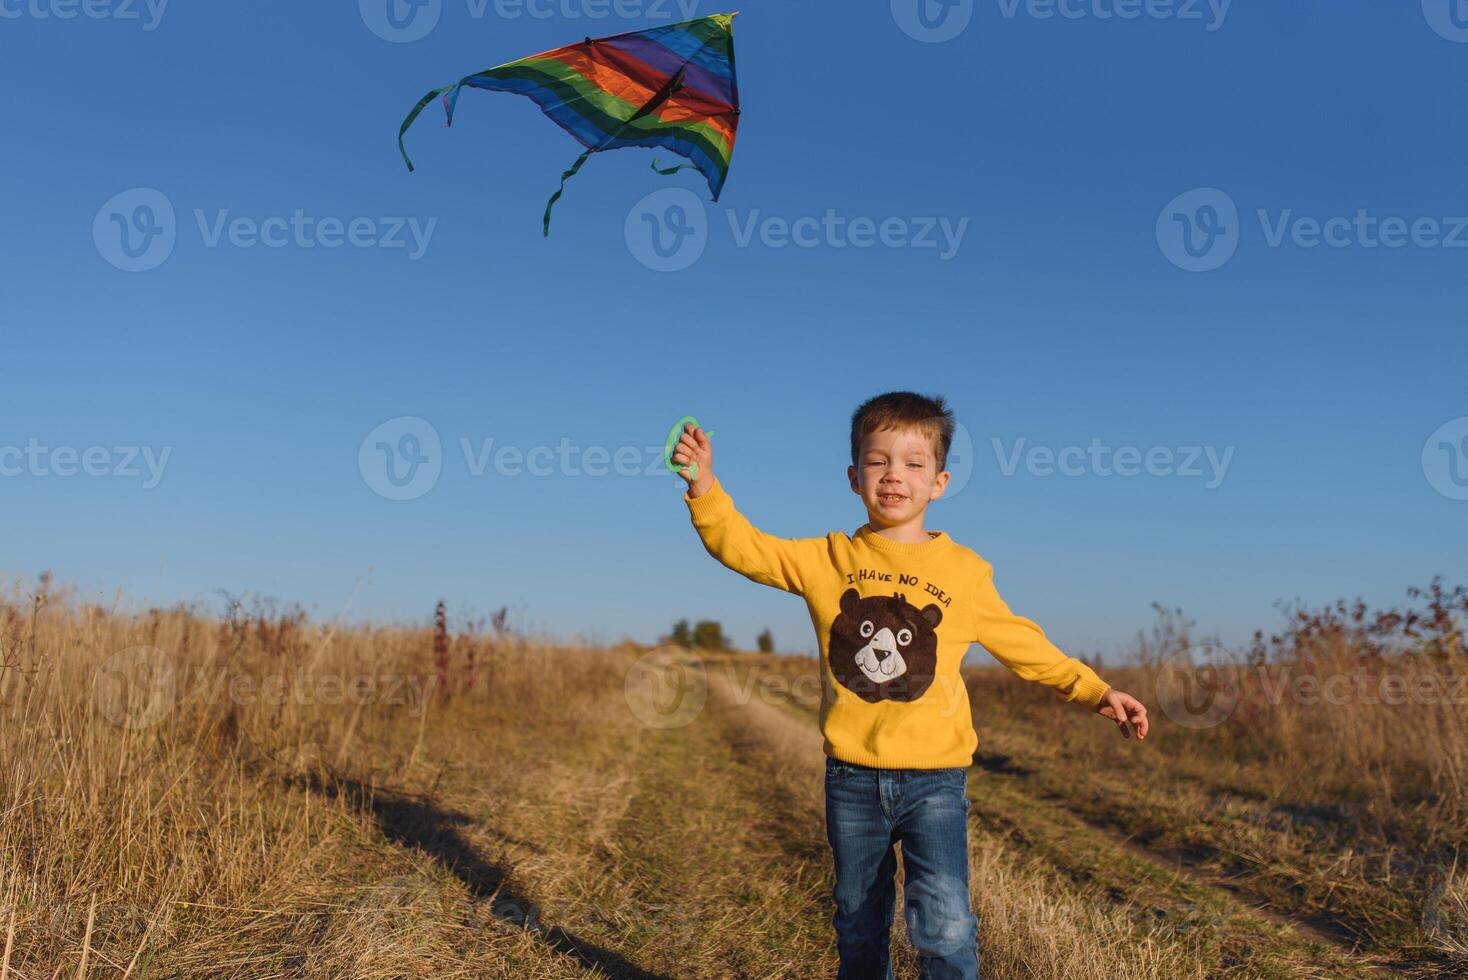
(1329, 757)
(154, 768)
(186, 794)
(1342, 702)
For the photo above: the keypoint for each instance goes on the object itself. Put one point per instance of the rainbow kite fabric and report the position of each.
(672, 87)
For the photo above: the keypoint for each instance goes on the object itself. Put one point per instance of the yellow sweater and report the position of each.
(893, 621)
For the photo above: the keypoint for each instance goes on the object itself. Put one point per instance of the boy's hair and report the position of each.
(903, 410)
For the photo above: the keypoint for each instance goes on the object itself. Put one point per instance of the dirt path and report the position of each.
(657, 852)
(609, 846)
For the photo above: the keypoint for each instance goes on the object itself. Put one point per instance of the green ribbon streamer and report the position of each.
(672, 85)
(565, 177)
(422, 104)
(670, 171)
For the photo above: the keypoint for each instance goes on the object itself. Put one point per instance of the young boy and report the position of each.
(895, 608)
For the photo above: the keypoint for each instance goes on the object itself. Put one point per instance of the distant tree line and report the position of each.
(708, 634)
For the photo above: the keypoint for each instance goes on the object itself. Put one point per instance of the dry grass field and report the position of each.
(250, 794)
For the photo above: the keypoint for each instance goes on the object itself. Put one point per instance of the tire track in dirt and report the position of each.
(1179, 861)
(1346, 939)
(1036, 825)
(698, 872)
(668, 843)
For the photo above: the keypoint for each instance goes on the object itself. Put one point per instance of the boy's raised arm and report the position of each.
(783, 563)
(1021, 645)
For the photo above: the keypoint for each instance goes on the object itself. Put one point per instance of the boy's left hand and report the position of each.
(1121, 707)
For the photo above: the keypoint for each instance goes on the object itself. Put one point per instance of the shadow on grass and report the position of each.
(419, 823)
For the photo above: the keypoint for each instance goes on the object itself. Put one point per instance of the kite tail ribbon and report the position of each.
(422, 104)
(450, 95)
(670, 171)
(559, 190)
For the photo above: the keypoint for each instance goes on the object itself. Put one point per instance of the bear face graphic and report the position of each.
(883, 648)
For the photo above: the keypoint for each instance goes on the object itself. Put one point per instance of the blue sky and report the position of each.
(1073, 159)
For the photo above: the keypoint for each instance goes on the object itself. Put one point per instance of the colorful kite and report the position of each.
(672, 87)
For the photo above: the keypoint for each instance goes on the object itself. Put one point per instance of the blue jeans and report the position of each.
(867, 811)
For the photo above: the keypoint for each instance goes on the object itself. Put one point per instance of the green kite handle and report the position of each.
(673, 436)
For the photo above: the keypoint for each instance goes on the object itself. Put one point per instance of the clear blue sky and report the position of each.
(1061, 316)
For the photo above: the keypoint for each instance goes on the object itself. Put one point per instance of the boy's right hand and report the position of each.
(693, 447)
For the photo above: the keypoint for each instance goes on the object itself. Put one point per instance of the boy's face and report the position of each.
(897, 475)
